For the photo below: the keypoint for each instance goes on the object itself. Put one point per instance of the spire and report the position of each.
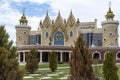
(23, 11)
(47, 20)
(71, 11)
(47, 13)
(109, 15)
(71, 19)
(59, 19)
(23, 20)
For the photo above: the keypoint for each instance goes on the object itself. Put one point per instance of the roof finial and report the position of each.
(110, 4)
(70, 11)
(109, 13)
(23, 11)
(47, 13)
(59, 12)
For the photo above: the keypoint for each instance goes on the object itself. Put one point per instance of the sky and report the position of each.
(35, 10)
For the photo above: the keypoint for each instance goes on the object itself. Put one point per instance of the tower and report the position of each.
(110, 30)
(22, 31)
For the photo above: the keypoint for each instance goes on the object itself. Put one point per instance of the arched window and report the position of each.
(96, 55)
(71, 34)
(47, 35)
(58, 38)
(118, 56)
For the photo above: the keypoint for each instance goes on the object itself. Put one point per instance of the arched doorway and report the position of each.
(58, 38)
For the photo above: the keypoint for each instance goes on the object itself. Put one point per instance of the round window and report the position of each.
(18, 37)
(110, 34)
(25, 33)
(104, 40)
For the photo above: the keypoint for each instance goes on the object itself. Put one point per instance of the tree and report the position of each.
(32, 62)
(9, 66)
(53, 61)
(81, 62)
(109, 67)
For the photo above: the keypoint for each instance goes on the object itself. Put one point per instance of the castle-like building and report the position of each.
(60, 34)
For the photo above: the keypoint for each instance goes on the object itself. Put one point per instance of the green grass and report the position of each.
(46, 65)
(43, 73)
(98, 71)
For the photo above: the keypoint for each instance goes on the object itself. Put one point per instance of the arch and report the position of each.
(96, 55)
(58, 38)
(105, 54)
(118, 55)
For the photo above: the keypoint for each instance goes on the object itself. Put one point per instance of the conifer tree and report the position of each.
(9, 67)
(81, 62)
(32, 62)
(53, 61)
(109, 67)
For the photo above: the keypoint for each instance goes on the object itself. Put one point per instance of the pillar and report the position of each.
(23, 56)
(61, 57)
(18, 56)
(40, 57)
(70, 55)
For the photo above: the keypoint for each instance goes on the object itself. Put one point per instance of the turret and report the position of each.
(22, 31)
(110, 30)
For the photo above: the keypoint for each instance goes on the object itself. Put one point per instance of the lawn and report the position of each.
(44, 71)
(62, 72)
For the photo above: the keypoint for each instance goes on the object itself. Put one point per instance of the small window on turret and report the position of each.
(104, 40)
(19, 37)
(116, 29)
(104, 30)
(24, 42)
(110, 34)
(116, 39)
(110, 44)
(24, 33)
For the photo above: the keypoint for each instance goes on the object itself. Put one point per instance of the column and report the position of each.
(18, 56)
(70, 55)
(40, 57)
(61, 57)
(23, 56)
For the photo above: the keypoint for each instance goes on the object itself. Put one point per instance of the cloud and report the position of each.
(10, 17)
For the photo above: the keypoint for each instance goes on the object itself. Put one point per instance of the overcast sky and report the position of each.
(35, 10)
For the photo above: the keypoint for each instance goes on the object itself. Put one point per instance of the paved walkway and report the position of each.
(57, 68)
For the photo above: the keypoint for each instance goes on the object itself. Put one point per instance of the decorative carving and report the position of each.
(71, 20)
(59, 20)
(58, 36)
(47, 21)
(57, 28)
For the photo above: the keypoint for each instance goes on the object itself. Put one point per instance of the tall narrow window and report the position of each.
(71, 34)
(47, 35)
